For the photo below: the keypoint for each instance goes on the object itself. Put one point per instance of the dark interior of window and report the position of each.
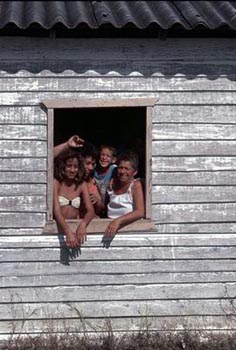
(123, 128)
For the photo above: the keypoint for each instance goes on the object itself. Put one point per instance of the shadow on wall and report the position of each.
(169, 69)
(142, 52)
(69, 254)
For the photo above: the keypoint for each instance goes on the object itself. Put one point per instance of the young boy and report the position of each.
(105, 170)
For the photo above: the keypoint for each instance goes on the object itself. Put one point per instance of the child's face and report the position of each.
(71, 168)
(106, 158)
(125, 171)
(89, 164)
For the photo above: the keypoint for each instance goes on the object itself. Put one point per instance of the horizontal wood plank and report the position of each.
(98, 226)
(82, 279)
(20, 232)
(116, 253)
(180, 213)
(195, 228)
(107, 83)
(101, 102)
(25, 115)
(22, 189)
(23, 177)
(195, 163)
(106, 267)
(193, 194)
(110, 99)
(195, 98)
(155, 308)
(165, 98)
(123, 325)
(122, 239)
(18, 132)
(179, 131)
(125, 292)
(193, 148)
(16, 148)
(21, 164)
(209, 178)
(190, 229)
(21, 220)
(195, 114)
(23, 203)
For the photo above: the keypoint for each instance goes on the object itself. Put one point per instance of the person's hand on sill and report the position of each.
(81, 233)
(112, 228)
(71, 240)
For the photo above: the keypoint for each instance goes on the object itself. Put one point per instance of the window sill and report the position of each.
(99, 226)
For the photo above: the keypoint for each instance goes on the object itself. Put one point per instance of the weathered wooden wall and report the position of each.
(183, 275)
(165, 281)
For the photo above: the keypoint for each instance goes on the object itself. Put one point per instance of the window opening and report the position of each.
(122, 128)
(122, 123)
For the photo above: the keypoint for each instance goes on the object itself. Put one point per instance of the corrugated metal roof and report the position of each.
(142, 14)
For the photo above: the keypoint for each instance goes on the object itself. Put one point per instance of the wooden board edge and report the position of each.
(99, 226)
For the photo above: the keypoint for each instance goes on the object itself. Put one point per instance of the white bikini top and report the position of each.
(120, 204)
(75, 202)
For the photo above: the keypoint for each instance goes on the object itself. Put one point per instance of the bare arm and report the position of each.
(97, 202)
(57, 150)
(81, 229)
(74, 141)
(136, 214)
(71, 239)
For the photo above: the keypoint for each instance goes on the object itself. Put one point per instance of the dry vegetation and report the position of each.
(130, 341)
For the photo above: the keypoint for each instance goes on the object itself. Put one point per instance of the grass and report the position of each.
(129, 341)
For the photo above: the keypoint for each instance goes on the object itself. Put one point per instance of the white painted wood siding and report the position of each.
(168, 280)
(185, 274)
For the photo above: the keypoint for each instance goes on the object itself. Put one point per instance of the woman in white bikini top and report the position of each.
(75, 202)
(68, 190)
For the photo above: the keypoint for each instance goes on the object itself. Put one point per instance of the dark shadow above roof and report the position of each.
(187, 15)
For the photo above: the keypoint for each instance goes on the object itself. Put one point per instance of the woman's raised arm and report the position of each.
(74, 141)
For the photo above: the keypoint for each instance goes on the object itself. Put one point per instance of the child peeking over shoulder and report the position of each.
(105, 168)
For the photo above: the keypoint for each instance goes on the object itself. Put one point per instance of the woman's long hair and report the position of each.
(59, 167)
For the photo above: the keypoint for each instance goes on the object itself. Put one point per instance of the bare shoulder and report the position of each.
(56, 188)
(137, 185)
(83, 186)
(56, 183)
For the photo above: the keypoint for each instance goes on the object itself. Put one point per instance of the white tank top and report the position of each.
(120, 204)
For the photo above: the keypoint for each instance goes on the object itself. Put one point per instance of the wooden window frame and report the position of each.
(98, 225)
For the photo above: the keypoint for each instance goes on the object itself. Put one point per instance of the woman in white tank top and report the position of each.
(126, 203)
